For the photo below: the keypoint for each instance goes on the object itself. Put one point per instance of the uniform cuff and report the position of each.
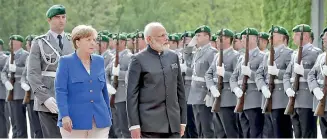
(134, 127)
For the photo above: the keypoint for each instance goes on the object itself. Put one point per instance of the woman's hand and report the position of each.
(67, 124)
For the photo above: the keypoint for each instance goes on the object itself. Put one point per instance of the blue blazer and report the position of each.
(81, 95)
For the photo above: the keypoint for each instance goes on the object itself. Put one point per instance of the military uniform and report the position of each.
(228, 99)
(17, 109)
(41, 71)
(304, 123)
(281, 124)
(4, 114)
(202, 60)
(120, 96)
(252, 96)
(316, 81)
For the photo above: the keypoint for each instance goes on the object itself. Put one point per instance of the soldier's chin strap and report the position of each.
(49, 55)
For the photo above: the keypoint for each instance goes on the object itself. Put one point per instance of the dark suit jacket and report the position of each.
(155, 92)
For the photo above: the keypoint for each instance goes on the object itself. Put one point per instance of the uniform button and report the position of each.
(92, 101)
(91, 91)
(90, 81)
(306, 88)
(279, 88)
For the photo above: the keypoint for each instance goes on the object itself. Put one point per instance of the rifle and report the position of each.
(137, 42)
(291, 101)
(100, 38)
(268, 103)
(27, 97)
(220, 86)
(183, 60)
(240, 102)
(113, 96)
(320, 110)
(10, 96)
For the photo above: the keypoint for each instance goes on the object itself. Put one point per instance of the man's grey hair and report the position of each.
(148, 29)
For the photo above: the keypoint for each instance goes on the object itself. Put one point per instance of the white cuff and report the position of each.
(183, 125)
(134, 127)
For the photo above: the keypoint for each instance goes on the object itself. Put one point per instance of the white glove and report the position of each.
(318, 93)
(209, 100)
(246, 70)
(193, 42)
(298, 69)
(115, 70)
(183, 67)
(214, 91)
(111, 89)
(8, 86)
(265, 91)
(25, 86)
(273, 70)
(51, 104)
(12, 67)
(290, 92)
(324, 70)
(221, 70)
(238, 92)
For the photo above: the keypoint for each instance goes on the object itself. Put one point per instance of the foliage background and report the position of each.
(26, 17)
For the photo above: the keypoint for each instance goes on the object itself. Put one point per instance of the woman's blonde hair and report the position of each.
(82, 31)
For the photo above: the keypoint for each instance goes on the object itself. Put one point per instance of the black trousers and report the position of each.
(18, 118)
(203, 119)
(159, 135)
(229, 121)
(282, 125)
(190, 129)
(36, 131)
(304, 123)
(114, 131)
(267, 131)
(49, 126)
(323, 125)
(243, 125)
(256, 121)
(122, 119)
(4, 119)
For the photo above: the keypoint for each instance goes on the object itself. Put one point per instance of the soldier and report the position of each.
(238, 43)
(120, 95)
(41, 70)
(173, 42)
(201, 62)
(4, 114)
(103, 42)
(141, 41)
(17, 109)
(36, 131)
(190, 129)
(263, 41)
(316, 79)
(281, 124)
(252, 97)
(130, 42)
(304, 123)
(228, 99)
(213, 41)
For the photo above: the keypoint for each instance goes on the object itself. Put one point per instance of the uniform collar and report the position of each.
(253, 50)
(277, 48)
(152, 51)
(19, 50)
(307, 46)
(227, 50)
(55, 35)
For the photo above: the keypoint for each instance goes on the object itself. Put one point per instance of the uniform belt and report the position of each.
(276, 81)
(49, 73)
(199, 79)
(16, 76)
(188, 78)
(301, 80)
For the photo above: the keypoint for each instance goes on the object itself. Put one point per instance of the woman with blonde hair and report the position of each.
(81, 90)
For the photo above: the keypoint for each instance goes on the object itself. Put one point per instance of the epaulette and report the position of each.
(316, 48)
(68, 36)
(41, 36)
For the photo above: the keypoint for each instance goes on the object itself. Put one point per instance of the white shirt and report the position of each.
(55, 35)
